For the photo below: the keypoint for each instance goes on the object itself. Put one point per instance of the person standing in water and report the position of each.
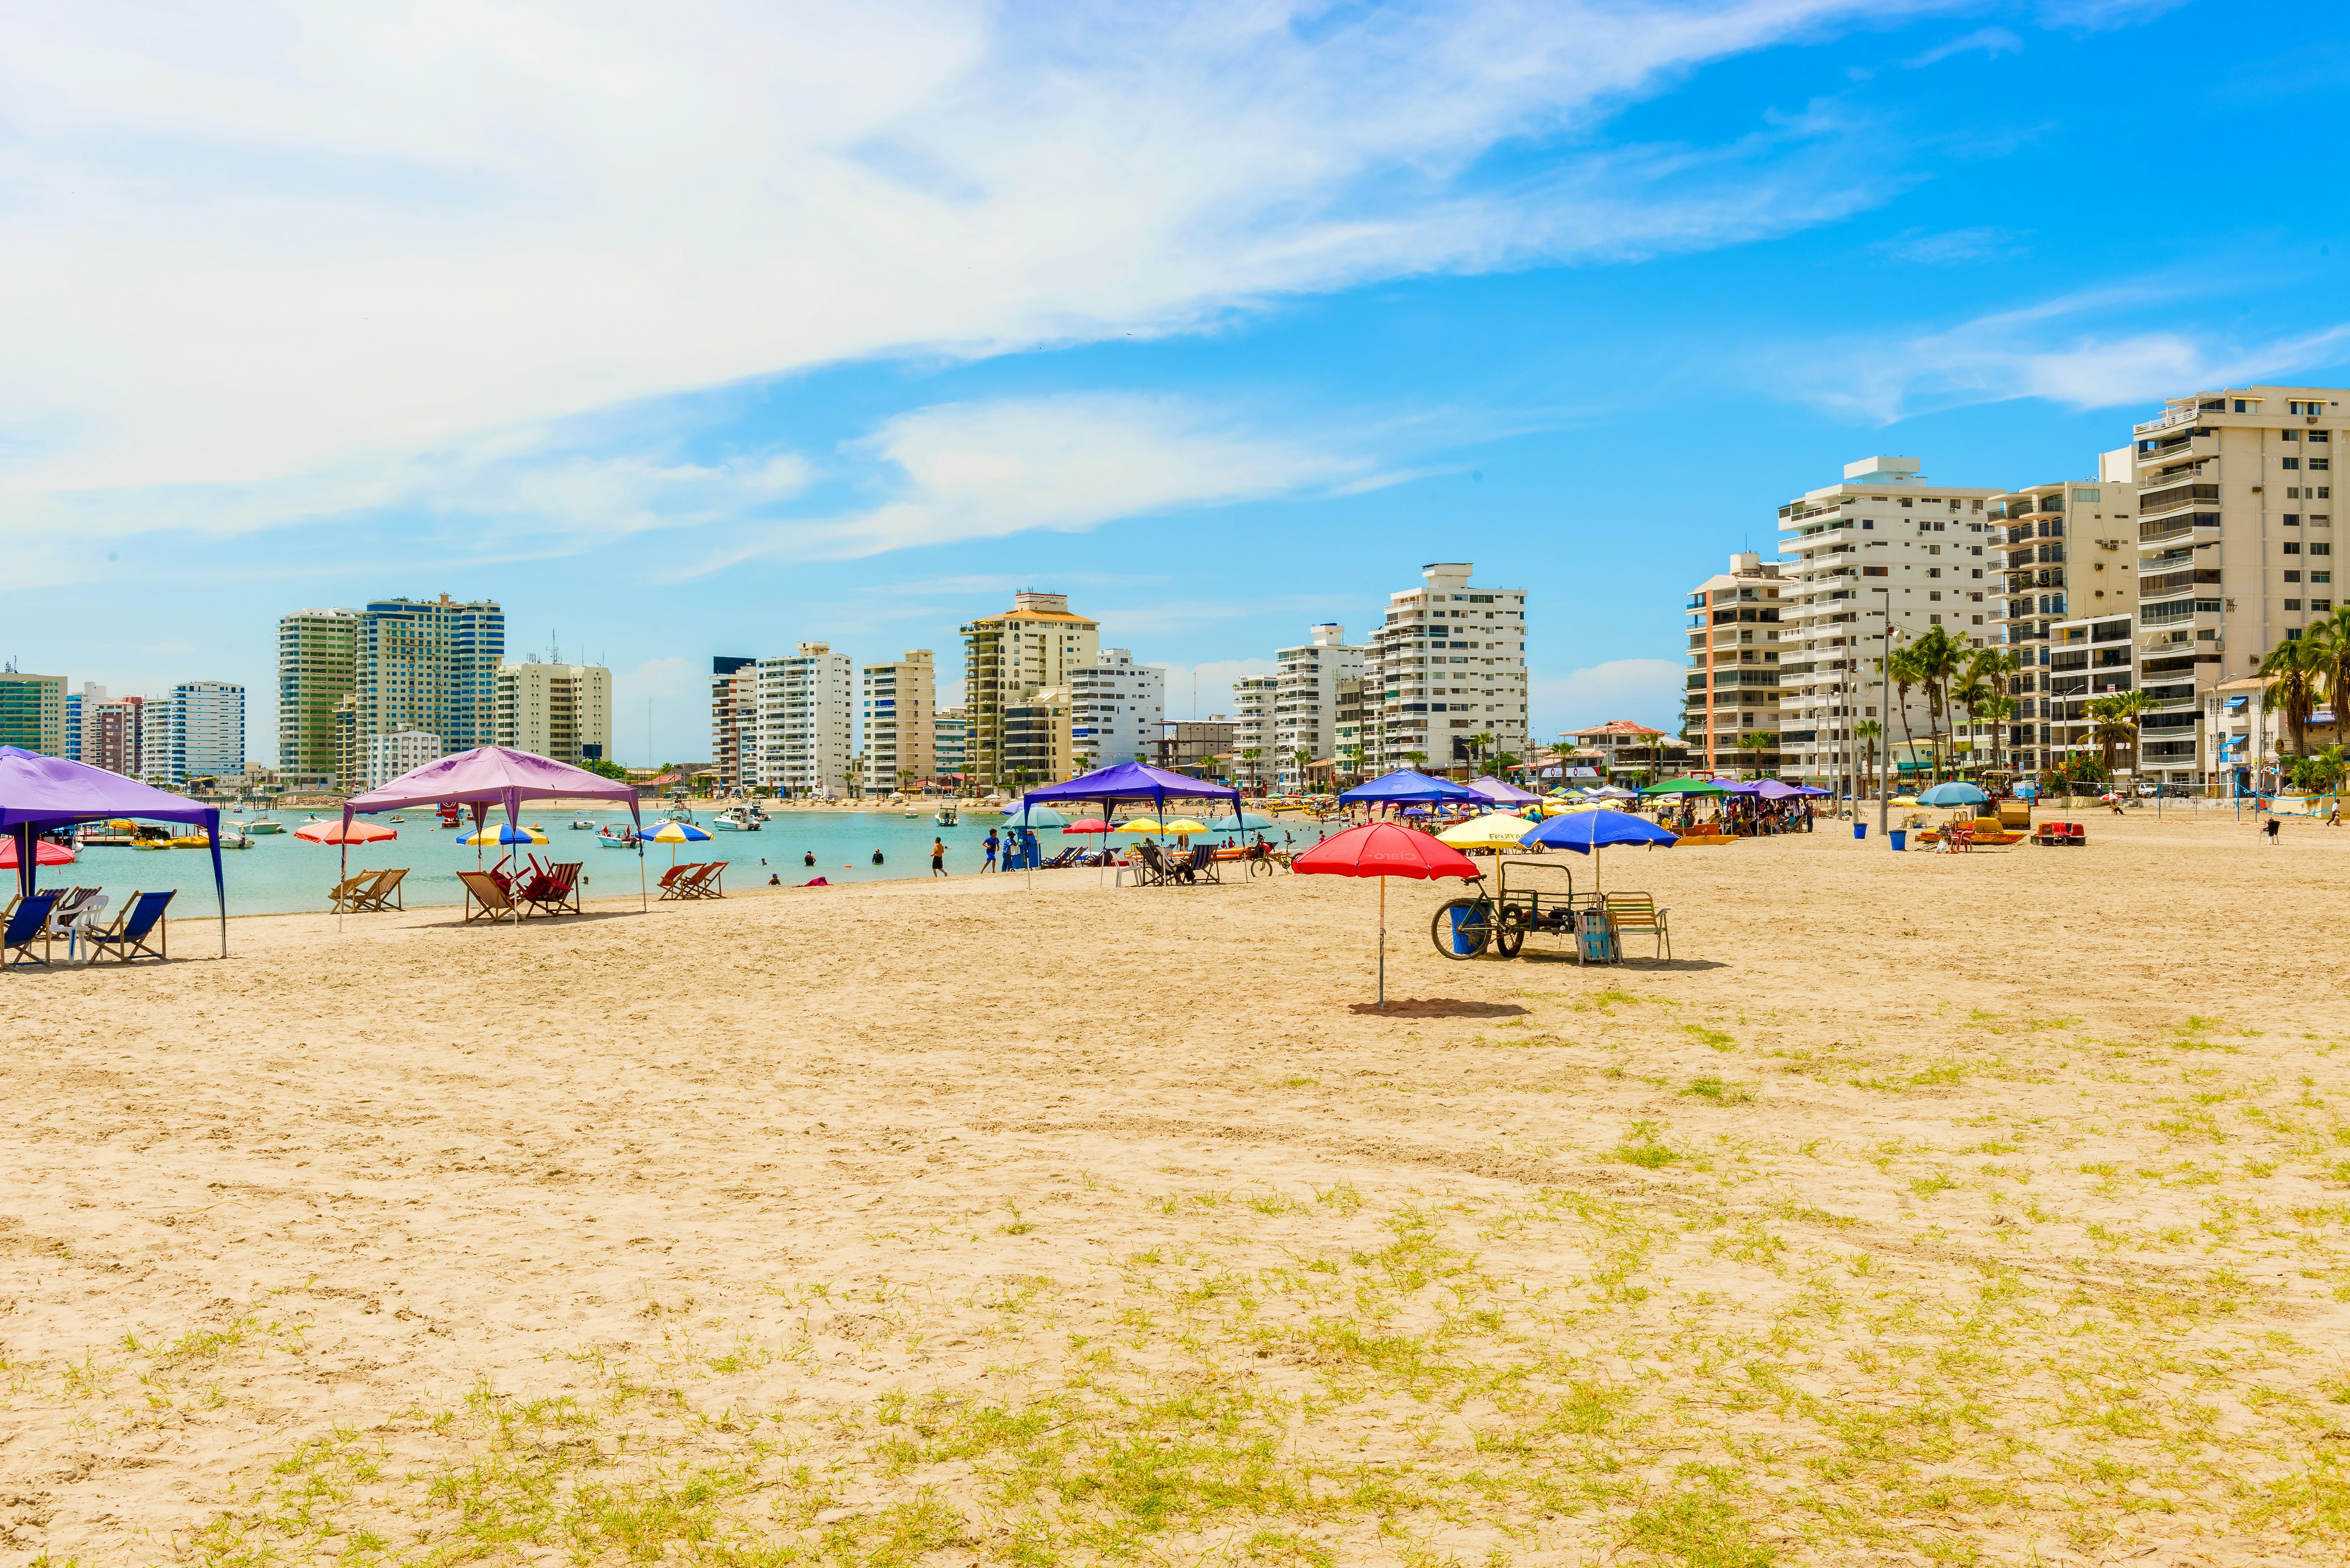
(877, 857)
(937, 857)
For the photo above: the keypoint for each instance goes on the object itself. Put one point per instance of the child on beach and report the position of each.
(989, 844)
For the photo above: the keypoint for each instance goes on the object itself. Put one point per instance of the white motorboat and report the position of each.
(262, 825)
(586, 823)
(737, 819)
(945, 818)
(620, 836)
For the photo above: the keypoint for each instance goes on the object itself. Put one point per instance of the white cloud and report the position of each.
(1211, 682)
(2100, 16)
(1645, 690)
(1951, 246)
(988, 469)
(1993, 41)
(2059, 349)
(250, 241)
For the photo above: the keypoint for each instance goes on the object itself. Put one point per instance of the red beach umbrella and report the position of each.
(1384, 850)
(45, 852)
(327, 830)
(1090, 824)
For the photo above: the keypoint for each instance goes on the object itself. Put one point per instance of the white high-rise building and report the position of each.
(400, 751)
(1447, 666)
(807, 731)
(1882, 550)
(1253, 698)
(1306, 702)
(901, 706)
(207, 737)
(80, 706)
(1114, 710)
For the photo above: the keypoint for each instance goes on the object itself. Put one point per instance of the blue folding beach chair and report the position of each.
(128, 937)
(28, 922)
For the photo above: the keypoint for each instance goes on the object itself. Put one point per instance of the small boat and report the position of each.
(584, 823)
(617, 837)
(262, 825)
(945, 818)
(738, 820)
(675, 814)
(233, 837)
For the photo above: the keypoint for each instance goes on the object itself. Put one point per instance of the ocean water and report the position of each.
(284, 874)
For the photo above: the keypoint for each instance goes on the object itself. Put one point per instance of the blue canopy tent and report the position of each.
(1134, 782)
(1406, 788)
(39, 793)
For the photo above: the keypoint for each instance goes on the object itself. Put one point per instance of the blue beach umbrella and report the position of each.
(1953, 794)
(504, 833)
(1588, 832)
(1027, 816)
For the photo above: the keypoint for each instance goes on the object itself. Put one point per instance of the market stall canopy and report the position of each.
(1404, 786)
(1135, 782)
(39, 793)
(1507, 793)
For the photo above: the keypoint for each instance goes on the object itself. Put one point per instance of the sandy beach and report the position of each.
(1925, 1209)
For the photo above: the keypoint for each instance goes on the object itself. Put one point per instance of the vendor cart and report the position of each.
(1528, 895)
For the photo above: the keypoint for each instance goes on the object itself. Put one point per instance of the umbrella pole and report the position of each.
(1383, 944)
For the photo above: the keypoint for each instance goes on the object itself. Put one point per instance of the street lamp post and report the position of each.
(1885, 719)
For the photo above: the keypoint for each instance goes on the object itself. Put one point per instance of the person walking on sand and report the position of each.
(2270, 830)
(937, 857)
(989, 844)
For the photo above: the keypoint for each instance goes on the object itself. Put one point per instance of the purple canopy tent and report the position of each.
(1506, 794)
(1406, 788)
(38, 793)
(1131, 782)
(1769, 789)
(493, 775)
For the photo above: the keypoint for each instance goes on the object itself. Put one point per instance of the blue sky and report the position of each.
(722, 329)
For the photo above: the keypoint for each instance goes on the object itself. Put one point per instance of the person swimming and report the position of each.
(877, 857)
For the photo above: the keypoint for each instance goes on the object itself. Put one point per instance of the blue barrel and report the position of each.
(1468, 931)
(1860, 830)
(1899, 838)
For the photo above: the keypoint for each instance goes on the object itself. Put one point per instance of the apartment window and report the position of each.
(2319, 436)
(2293, 546)
(2293, 519)
(2320, 576)
(1872, 571)
(2292, 605)
(1904, 501)
(2320, 547)
(2321, 604)
(1867, 523)
(2293, 577)
(2288, 463)
(2243, 406)
(2290, 435)
(2322, 464)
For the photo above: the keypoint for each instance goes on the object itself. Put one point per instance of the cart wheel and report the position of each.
(1463, 927)
(1511, 935)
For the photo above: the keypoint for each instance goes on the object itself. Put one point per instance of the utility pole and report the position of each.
(1885, 722)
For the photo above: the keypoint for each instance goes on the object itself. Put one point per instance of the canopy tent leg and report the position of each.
(220, 884)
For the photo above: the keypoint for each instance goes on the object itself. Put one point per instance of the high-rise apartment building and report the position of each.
(1735, 665)
(2067, 610)
(1881, 551)
(114, 736)
(552, 709)
(1447, 666)
(79, 707)
(1038, 747)
(400, 751)
(429, 665)
(1306, 702)
(1008, 657)
(1252, 698)
(33, 711)
(349, 772)
(1347, 748)
(951, 743)
(205, 734)
(314, 671)
(1115, 711)
(901, 705)
(806, 731)
(2234, 554)
(734, 722)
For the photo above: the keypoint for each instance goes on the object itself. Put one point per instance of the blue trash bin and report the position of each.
(1860, 830)
(1470, 932)
(1899, 838)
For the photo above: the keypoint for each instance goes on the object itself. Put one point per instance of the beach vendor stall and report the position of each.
(1132, 783)
(40, 793)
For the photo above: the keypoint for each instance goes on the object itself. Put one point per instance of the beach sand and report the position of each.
(1925, 1209)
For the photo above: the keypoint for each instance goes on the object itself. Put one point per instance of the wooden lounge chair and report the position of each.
(344, 895)
(385, 894)
(676, 884)
(704, 883)
(483, 889)
(27, 923)
(1636, 914)
(554, 890)
(1202, 863)
(128, 937)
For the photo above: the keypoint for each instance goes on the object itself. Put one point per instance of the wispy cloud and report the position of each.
(1951, 246)
(2071, 349)
(1645, 690)
(2100, 16)
(262, 240)
(986, 471)
(1991, 42)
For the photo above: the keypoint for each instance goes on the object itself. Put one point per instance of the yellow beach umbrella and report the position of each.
(502, 834)
(1140, 825)
(1494, 830)
(1185, 825)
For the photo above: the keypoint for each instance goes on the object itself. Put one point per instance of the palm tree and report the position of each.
(2331, 639)
(1755, 743)
(1866, 732)
(2115, 722)
(1479, 744)
(1936, 659)
(1902, 670)
(1250, 755)
(1998, 709)
(1353, 757)
(2295, 669)
(1969, 693)
(1417, 759)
